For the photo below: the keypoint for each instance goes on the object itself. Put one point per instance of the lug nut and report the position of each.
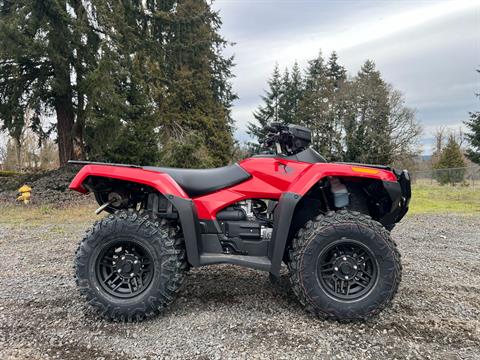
(346, 277)
(135, 262)
(355, 267)
(335, 268)
(132, 274)
(123, 257)
(119, 270)
(344, 258)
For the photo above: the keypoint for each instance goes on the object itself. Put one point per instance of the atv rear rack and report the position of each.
(83, 162)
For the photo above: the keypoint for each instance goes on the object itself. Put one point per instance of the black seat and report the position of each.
(196, 182)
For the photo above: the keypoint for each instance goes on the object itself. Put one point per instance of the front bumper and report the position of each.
(405, 186)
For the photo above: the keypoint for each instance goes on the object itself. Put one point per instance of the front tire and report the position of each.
(129, 266)
(344, 266)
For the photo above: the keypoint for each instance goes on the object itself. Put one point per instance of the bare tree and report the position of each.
(404, 128)
(439, 136)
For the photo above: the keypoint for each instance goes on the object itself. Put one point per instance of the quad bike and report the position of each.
(327, 221)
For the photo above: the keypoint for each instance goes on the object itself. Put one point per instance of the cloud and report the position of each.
(428, 50)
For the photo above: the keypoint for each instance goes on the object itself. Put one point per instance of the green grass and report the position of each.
(8, 173)
(28, 215)
(433, 198)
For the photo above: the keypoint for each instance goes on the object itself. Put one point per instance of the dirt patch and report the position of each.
(48, 188)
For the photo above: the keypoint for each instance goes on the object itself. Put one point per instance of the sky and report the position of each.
(429, 50)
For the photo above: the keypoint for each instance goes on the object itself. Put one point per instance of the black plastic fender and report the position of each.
(191, 230)
(281, 229)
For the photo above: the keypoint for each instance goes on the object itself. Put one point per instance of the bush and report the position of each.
(449, 168)
(450, 176)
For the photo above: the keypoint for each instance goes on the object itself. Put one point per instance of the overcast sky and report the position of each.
(427, 49)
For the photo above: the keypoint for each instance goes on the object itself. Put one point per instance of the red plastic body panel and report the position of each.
(161, 182)
(270, 178)
(273, 176)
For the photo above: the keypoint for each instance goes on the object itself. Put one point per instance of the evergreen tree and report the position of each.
(450, 158)
(336, 72)
(270, 111)
(285, 108)
(337, 76)
(199, 96)
(44, 43)
(368, 139)
(363, 119)
(473, 153)
(291, 95)
(315, 106)
(124, 79)
(122, 123)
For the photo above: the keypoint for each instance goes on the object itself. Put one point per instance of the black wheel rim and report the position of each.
(347, 270)
(124, 268)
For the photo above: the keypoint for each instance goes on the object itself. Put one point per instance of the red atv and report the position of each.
(328, 222)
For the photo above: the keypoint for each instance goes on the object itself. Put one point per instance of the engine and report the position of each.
(246, 223)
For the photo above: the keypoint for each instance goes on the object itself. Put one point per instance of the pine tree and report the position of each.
(368, 139)
(42, 43)
(473, 153)
(336, 72)
(122, 124)
(165, 85)
(450, 158)
(291, 95)
(337, 76)
(315, 105)
(268, 112)
(199, 96)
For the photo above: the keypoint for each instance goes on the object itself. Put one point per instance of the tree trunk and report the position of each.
(18, 153)
(65, 122)
(61, 46)
(79, 129)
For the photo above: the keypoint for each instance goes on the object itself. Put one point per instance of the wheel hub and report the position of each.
(347, 269)
(124, 269)
(127, 265)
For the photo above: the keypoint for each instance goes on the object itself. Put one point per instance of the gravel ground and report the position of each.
(229, 312)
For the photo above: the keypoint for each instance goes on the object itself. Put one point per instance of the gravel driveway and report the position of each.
(229, 312)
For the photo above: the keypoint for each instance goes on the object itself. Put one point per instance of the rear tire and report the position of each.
(344, 266)
(129, 266)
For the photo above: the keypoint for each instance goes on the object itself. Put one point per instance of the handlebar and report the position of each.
(286, 139)
(277, 134)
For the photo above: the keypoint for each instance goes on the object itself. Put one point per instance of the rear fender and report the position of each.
(164, 184)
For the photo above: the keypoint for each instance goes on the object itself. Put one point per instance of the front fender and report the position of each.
(322, 170)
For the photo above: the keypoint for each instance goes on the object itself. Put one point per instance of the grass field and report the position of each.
(437, 199)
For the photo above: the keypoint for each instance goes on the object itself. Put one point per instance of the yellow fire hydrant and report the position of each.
(25, 193)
